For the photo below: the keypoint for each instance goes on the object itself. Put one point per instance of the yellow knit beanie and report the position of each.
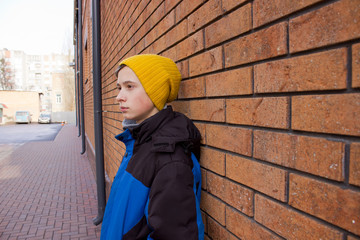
(159, 76)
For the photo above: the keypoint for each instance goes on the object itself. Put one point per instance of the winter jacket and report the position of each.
(156, 191)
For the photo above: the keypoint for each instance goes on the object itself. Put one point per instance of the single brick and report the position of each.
(201, 128)
(266, 112)
(233, 194)
(206, 13)
(320, 71)
(267, 43)
(170, 53)
(214, 207)
(183, 68)
(206, 62)
(203, 179)
(230, 4)
(218, 232)
(193, 88)
(326, 201)
(337, 114)
(246, 228)
(266, 11)
(308, 154)
(289, 223)
(354, 176)
(234, 82)
(332, 24)
(225, 28)
(207, 110)
(356, 65)
(233, 139)
(190, 45)
(181, 106)
(185, 8)
(213, 160)
(264, 178)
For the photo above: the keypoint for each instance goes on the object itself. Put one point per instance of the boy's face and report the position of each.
(135, 104)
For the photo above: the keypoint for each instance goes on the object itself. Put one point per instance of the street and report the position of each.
(21, 133)
(15, 135)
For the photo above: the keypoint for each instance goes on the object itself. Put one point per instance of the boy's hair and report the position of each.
(117, 70)
(159, 76)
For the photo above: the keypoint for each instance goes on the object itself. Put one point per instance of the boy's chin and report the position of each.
(130, 118)
(127, 117)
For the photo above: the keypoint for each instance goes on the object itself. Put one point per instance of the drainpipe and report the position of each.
(77, 81)
(78, 100)
(76, 77)
(82, 122)
(99, 150)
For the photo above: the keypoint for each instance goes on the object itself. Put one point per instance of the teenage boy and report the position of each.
(156, 191)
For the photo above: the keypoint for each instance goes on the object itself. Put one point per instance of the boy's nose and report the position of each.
(120, 97)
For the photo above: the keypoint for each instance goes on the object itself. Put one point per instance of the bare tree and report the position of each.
(69, 87)
(6, 76)
(69, 77)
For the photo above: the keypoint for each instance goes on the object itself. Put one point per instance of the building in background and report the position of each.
(50, 76)
(19, 101)
(17, 62)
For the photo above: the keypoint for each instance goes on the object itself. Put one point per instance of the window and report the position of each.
(58, 98)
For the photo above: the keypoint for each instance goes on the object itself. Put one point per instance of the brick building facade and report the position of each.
(273, 87)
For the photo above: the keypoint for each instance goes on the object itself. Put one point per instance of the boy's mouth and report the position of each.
(123, 109)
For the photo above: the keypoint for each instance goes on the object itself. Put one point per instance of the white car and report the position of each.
(44, 118)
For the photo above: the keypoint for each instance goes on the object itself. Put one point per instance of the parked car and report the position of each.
(23, 117)
(44, 118)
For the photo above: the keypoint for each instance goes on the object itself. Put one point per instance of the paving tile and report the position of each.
(48, 190)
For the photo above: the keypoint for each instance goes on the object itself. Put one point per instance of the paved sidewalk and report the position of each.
(47, 190)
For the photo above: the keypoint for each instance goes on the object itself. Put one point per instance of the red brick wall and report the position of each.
(88, 75)
(273, 87)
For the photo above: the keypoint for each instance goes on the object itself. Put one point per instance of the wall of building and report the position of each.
(19, 101)
(88, 75)
(273, 87)
(63, 91)
(49, 74)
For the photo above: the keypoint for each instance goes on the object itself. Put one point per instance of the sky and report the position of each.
(36, 26)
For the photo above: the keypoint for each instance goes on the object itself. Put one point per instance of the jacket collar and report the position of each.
(125, 136)
(165, 130)
(144, 131)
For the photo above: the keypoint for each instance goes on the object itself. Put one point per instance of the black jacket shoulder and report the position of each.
(167, 137)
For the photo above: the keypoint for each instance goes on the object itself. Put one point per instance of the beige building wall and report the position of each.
(63, 91)
(20, 101)
(58, 92)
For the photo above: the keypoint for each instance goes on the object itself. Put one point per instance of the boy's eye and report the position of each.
(129, 86)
